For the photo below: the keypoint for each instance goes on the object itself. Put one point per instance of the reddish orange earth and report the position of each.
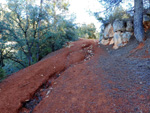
(81, 78)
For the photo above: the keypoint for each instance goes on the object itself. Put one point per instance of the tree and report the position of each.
(138, 20)
(27, 23)
(138, 15)
(117, 13)
(87, 31)
(35, 29)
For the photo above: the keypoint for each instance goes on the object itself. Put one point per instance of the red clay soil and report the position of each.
(81, 78)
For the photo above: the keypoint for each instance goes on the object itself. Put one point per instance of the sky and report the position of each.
(80, 8)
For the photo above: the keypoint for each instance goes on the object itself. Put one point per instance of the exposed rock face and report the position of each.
(122, 30)
(117, 40)
(118, 35)
(111, 41)
(108, 31)
(118, 26)
(126, 37)
(129, 26)
(121, 39)
(104, 41)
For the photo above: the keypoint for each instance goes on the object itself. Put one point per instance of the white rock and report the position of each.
(111, 41)
(121, 39)
(118, 26)
(117, 39)
(108, 31)
(126, 37)
(104, 42)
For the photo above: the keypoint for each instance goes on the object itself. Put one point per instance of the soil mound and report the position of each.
(82, 77)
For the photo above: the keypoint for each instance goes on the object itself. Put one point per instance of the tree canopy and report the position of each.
(138, 14)
(29, 31)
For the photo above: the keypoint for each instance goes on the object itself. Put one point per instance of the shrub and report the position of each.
(117, 13)
(87, 31)
(2, 73)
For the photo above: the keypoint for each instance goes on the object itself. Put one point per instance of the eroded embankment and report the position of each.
(25, 89)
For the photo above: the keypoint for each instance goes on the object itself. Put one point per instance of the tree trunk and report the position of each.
(138, 20)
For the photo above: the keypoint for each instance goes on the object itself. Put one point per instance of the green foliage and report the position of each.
(117, 13)
(2, 73)
(87, 31)
(35, 30)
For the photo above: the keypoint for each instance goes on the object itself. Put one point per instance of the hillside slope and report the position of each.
(83, 77)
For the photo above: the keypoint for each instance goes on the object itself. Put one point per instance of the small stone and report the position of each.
(27, 100)
(41, 89)
(55, 82)
(141, 111)
(83, 45)
(47, 96)
(42, 75)
(48, 92)
(51, 88)
(140, 82)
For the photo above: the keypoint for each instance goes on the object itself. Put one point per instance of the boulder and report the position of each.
(129, 26)
(121, 39)
(111, 41)
(108, 31)
(104, 42)
(126, 37)
(117, 39)
(118, 26)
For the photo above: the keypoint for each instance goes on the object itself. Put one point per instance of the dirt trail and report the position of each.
(81, 78)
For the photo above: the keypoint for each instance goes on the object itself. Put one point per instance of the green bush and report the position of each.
(87, 31)
(2, 73)
(117, 13)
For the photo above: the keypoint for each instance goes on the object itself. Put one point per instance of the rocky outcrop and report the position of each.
(117, 34)
(108, 31)
(105, 42)
(117, 39)
(129, 26)
(126, 36)
(118, 25)
(121, 39)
